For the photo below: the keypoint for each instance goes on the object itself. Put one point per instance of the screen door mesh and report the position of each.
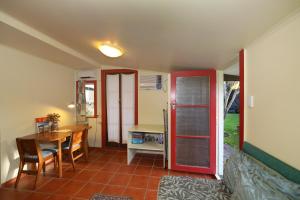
(192, 121)
(192, 152)
(192, 90)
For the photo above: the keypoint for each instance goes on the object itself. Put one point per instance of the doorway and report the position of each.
(119, 105)
(231, 113)
(193, 121)
(234, 106)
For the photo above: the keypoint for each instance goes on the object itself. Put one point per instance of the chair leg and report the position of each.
(85, 150)
(72, 160)
(40, 166)
(55, 162)
(21, 166)
(44, 168)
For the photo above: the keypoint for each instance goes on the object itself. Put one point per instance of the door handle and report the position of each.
(173, 105)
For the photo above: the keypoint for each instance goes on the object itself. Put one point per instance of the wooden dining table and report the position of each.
(59, 136)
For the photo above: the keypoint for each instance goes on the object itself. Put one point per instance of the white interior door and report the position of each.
(113, 108)
(128, 104)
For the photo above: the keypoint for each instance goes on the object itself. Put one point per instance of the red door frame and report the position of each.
(104, 73)
(212, 75)
(242, 95)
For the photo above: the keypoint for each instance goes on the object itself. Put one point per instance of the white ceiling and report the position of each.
(24, 42)
(233, 69)
(159, 34)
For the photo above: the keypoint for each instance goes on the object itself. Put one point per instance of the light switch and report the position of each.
(250, 101)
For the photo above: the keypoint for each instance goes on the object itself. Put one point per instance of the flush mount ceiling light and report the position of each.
(110, 50)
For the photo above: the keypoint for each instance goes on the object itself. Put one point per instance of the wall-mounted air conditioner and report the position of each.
(87, 74)
(151, 82)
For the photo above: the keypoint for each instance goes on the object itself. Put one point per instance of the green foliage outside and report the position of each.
(231, 136)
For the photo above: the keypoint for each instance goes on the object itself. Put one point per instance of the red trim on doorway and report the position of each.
(136, 108)
(213, 114)
(212, 168)
(242, 95)
(103, 108)
(173, 120)
(104, 73)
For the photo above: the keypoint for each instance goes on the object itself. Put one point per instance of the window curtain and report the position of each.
(128, 104)
(81, 103)
(113, 108)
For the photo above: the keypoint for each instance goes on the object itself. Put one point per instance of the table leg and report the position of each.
(86, 151)
(59, 156)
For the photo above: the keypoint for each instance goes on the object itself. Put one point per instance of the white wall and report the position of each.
(30, 87)
(152, 102)
(272, 76)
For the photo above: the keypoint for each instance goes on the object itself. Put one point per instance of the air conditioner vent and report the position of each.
(151, 82)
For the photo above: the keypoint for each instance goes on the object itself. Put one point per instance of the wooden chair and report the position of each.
(75, 144)
(30, 153)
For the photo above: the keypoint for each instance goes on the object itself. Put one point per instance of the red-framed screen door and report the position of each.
(193, 121)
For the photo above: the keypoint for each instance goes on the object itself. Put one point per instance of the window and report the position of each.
(90, 99)
(90, 88)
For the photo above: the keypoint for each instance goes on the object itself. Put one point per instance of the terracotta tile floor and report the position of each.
(106, 172)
